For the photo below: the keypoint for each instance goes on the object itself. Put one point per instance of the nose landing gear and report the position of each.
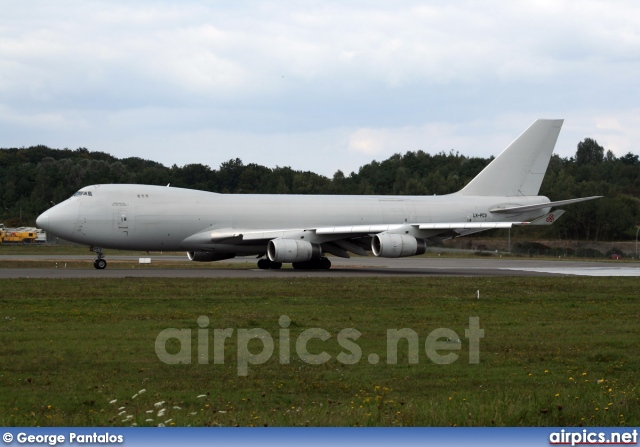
(100, 263)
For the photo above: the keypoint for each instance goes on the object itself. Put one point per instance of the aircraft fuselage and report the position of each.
(155, 218)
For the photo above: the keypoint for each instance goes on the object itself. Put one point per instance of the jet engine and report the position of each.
(291, 250)
(205, 256)
(387, 245)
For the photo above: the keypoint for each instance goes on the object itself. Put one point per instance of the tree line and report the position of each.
(34, 178)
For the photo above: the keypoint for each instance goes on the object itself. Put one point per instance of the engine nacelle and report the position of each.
(205, 256)
(387, 245)
(291, 250)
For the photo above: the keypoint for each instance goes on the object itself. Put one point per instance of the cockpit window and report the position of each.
(83, 193)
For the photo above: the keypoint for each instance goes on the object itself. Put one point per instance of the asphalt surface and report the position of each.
(354, 267)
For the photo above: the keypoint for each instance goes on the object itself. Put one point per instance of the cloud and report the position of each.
(433, 137)
(42, 121)
(366, 79)
(619, 133)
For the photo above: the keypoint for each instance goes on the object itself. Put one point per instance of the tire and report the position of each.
(100, 264)
(314, 264)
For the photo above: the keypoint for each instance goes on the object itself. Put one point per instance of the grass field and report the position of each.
(556, 351)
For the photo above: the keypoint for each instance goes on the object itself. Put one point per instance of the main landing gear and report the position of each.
(313, 264)
(266, 264)
(100, 263)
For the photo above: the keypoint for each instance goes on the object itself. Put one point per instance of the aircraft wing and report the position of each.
(233, 236)
(344, 236)
(374, 229)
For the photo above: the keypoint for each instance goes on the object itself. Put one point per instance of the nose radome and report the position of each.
(61, 219)
(43, 221)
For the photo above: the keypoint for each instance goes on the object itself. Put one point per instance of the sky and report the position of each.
(315, 85)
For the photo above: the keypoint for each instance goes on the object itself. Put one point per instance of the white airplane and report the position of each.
(301, 229)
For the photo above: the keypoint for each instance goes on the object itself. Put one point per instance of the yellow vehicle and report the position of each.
(11, 236)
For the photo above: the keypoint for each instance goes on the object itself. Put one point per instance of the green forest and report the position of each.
(34, 178)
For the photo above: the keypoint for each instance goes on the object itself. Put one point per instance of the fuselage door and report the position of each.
(121, 218)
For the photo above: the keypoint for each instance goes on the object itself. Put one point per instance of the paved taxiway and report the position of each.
(354, 267)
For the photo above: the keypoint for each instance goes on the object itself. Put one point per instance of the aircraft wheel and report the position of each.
(325, 264)
(265, 264)
(100, 264)
(314, 264)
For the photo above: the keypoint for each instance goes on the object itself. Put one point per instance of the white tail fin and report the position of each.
(520, 168)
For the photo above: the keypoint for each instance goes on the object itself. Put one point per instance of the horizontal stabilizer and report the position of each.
(548, 219)
(540, 206)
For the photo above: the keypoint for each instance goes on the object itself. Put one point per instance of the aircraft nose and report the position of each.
(61, 219)
(43, 221)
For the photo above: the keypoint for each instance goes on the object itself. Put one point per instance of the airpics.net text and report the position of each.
(439, 345)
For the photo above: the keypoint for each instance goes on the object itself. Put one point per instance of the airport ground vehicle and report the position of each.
(21, 235)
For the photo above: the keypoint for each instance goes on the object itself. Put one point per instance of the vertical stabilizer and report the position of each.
(520, 168)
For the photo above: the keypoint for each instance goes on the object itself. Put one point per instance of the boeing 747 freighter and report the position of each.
(302, 229)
